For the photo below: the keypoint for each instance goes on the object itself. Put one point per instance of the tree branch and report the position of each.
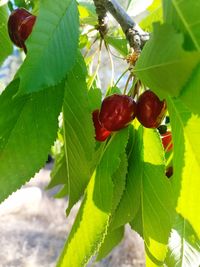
(134, 34)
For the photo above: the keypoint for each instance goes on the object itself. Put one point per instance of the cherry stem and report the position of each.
(112, 52)
(90, 30)
(170, 143)
(111, 62)
(132, 90)
(89, 48)
(120, 77)
(98, 64)
(127, 82)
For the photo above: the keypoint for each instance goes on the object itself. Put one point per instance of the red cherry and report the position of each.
(14, 21)
(117, 111)
(167, 141)
(101, 134)
(150, 110)
(25, 29)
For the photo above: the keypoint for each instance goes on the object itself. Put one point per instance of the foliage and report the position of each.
(122, 180)
(6, 47)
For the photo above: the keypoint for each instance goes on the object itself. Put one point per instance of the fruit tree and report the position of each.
(129, 153)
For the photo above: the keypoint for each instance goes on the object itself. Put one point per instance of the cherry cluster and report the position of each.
(117, 111)
(20, 25)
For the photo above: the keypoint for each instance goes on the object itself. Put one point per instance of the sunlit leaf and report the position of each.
(154, 14)
(91, 224)
(184, 16)
(186, 183)
(155, 212)
(164, 65)
(184, 245)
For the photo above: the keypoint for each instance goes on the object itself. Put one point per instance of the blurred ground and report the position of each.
(33, 229)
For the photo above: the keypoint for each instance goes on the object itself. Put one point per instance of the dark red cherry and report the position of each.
(150, 110)
(101, 134)
(26, 28)
(169, 172)
(14, 21)
(167, 141)
(117, 111)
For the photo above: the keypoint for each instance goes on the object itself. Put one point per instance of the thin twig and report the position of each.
(111, 63)
(120, 77)
(127, 82)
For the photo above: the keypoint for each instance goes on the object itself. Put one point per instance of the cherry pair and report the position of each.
(117, 111)
(20, 25)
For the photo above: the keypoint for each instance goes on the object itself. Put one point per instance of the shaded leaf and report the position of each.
(78, 132)
(111, 240)
(5, 43)
(26, 134)
(119, 44)
(130, 200)
(119, 181)
(59, 171)
(52, 46)
(63, 192)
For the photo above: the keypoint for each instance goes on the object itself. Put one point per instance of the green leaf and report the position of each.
(186, 160)
(94, 98)
(63, 192)
(184, 245)
(163, 65)
(59, 171)
(184, 16)
(130, 200)
(119, 181)
(113, 237)
(5, 43)
(190, 94)
(78, 132)
(87, 13)
(28, 128)
(155, 14)
(120, 44)
(111, 240)
(155, 212)
(92, 221)
(52, 47)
